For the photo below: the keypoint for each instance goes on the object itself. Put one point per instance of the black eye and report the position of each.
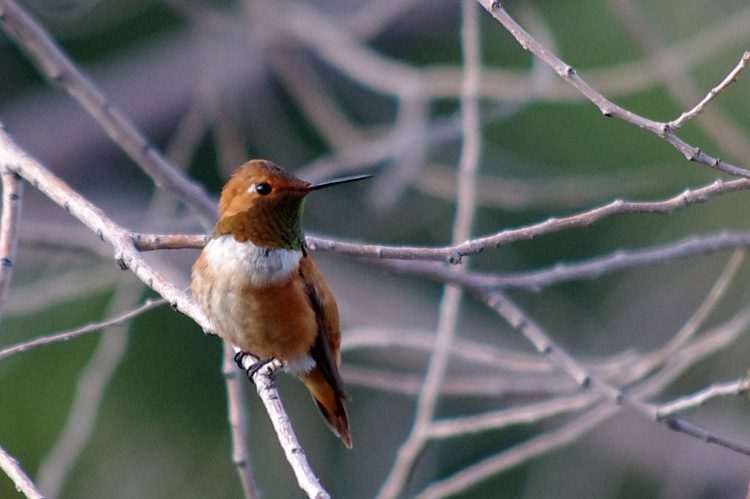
(263, 189)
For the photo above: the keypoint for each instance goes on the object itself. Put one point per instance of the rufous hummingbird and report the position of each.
(264, 293)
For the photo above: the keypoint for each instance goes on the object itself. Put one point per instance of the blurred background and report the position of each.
(330, 87)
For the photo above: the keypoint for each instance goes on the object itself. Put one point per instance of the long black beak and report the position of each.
(336, 181)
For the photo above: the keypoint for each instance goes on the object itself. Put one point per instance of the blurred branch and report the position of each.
(568, 191)
(607, 107)
(89, 393)
(702, 396)
(30, 36)
(699, 317)
(512, 415)
(515, 455)
(494, 385)
(120, 320)
(545, 346)
(712, 341)
(450, 304)
(9, 224)
(23, 483)
(238, 424)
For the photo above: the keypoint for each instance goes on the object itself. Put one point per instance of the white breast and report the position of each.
(248, 263)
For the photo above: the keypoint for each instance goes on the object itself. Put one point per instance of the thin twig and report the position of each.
(703, 395)
(678, 77)
(74, 333)
(711, 95)
(607, 107)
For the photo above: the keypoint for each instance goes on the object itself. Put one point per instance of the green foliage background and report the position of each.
(162, 430)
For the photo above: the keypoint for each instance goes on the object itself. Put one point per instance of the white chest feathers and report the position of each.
(248, 263)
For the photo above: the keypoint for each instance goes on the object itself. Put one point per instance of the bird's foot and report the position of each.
(256, 366)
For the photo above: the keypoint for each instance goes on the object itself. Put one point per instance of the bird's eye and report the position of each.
(263, 188)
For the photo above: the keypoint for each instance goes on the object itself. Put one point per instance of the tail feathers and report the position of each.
(331, 405)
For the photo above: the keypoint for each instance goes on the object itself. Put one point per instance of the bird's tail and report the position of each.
(331, 405)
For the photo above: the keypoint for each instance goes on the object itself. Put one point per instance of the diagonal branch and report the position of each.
(24, 484)
(704, 395)
(711, 95)
(22, 28)
(68, 335)
(545, 346)
(127, 256)
(125, 252)
(607, 107)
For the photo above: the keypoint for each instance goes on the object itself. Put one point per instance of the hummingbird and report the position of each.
(264, 293)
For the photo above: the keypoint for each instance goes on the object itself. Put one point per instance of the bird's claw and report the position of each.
(256, 366)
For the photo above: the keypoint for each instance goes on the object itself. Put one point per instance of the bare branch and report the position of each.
(536, 280)
(67, 335)
(607, 107)
(13, 469)
(295, 454)
(12, 191)
(89, 393)
(454, 254)
(702, 396)
(450, 303)
(544, 345)
(711, 95)
(22, 28)
(238, 424)
(126, 254)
